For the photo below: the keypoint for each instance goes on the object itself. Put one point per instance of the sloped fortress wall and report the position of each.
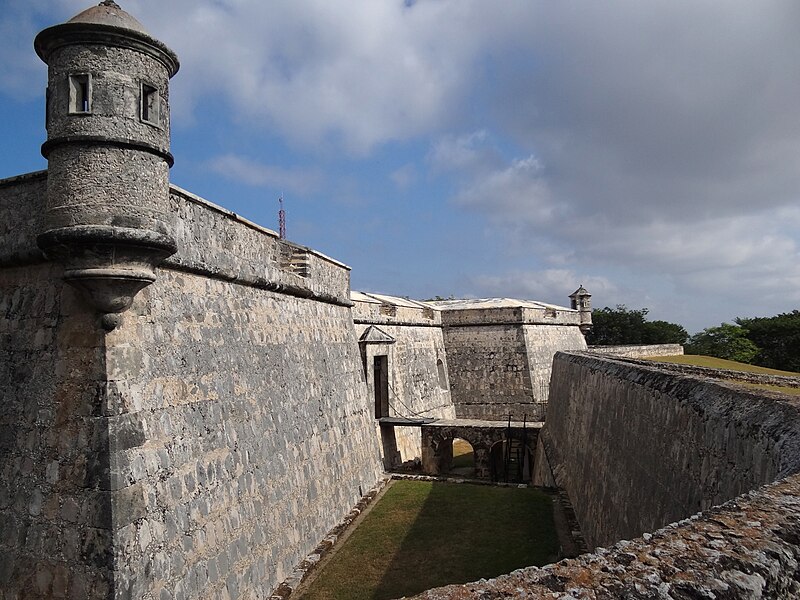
(202, 447)
(637, 447)
(500, 353)
(409, 335)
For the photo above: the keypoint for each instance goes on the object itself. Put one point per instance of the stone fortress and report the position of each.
(190, 405)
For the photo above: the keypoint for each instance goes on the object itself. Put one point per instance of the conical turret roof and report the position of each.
(107, 25)
(109, 12)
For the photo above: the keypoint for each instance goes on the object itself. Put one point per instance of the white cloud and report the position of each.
(404, 176)
(630, 140)
(462, 152)
(299, 181)
(552, 285)
(317, 71)
(518, 193)
(23, 76)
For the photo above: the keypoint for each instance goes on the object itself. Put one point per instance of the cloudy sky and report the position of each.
(647, 150)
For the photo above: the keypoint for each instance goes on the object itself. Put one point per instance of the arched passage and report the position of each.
(463, 463)
(437, 446)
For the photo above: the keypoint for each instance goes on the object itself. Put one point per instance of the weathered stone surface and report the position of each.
(417, 362)
(54, 517)
(247, 429)
(20, 225)
(674, 444)
(200, 450)
(641, 351)
(497, 370)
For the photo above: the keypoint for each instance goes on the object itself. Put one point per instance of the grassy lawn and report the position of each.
(720, 363)
(422, 535)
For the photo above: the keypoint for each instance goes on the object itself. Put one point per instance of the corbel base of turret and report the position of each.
(109, 265)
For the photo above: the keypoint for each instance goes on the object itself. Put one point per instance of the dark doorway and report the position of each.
(510, 461)
(381, 374)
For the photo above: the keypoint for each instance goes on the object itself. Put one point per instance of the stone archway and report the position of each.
(437, 443)
(463, 464)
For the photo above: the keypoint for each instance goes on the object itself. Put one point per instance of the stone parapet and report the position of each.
(380, 309)
(726, 374)
(638, 351)
(22, 205)
(216, 242)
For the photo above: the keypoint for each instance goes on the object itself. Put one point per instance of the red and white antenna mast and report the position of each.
(281, 219)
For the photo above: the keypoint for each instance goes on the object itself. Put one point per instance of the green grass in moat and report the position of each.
(422, 535)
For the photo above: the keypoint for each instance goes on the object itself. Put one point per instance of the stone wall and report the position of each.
(637, 447)
(641, 351)
(490, 376)
(417, 386)
(502, 369)
(55, 511)
(19, 225)
(199, 450)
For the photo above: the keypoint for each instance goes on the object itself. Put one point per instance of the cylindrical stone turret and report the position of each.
(108, 138)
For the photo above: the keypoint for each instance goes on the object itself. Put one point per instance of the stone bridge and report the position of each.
(487, 438)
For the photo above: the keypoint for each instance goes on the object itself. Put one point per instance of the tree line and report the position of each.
(772, 342)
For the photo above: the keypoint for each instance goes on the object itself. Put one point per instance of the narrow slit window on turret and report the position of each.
(47, 96)
(150, 104)
(80, 94)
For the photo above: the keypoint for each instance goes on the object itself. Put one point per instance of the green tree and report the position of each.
(663, 332)
(621, 326)
(727, 341)
(778, 339)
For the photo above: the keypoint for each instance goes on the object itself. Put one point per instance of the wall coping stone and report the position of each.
(33, 175)
(724, 374)
(638, 350)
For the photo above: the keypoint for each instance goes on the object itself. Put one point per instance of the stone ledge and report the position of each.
(724, 374)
